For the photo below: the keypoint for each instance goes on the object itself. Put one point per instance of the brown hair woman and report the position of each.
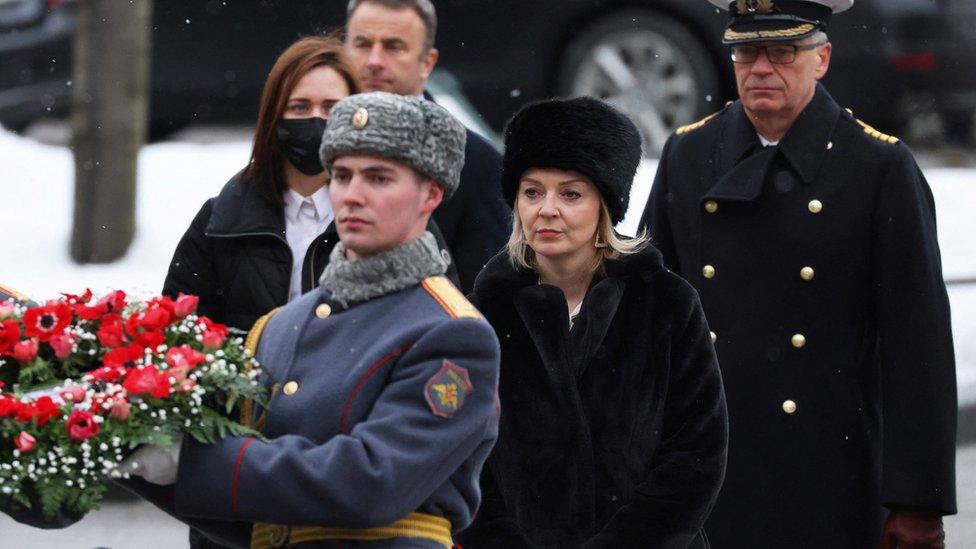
(266, 237)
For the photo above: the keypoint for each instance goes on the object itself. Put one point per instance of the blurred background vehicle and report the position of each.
(659, 60)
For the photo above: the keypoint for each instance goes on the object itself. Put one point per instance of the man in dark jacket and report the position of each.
(391, 43)
(811, 238)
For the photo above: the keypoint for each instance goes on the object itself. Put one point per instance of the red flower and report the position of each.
(47, 321)
(184, 356)
(147, 381)
(110, 331)
(156, 317)
(42, 410)
(108, 304)
(63, 344)
(107, 373)
(150, 339)
(185, 305)
(83, 298)
(25, 351)
(120, 409)
(25, 442)
(73, 394)
(123, 357)
(82, 425)
(182, 359)
(214, 333)
(9, 406)
(9, 335)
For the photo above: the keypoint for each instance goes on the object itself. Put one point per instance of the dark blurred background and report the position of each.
(907, 67)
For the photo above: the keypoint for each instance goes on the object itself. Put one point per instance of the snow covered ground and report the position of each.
(36, 193)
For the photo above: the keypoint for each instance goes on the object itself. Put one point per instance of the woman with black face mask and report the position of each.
(265, 239)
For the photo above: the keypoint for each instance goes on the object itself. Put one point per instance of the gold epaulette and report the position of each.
(890, 139)
(449, 297)
(694, 126)
(14, 293)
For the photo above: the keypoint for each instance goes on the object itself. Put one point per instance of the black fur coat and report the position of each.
(614, 433)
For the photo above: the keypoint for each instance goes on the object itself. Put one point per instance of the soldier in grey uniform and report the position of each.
(384, 380)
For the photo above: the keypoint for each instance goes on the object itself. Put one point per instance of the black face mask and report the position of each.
(299, 140)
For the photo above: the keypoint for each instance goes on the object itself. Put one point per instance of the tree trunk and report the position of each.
(109, 113)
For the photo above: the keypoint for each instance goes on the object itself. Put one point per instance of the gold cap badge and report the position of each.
(754, 6)
(360, 118)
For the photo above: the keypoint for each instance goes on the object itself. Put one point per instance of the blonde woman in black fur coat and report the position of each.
(613, 424)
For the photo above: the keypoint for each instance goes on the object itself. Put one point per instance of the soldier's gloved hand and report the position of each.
(153, 463)
(911, 528)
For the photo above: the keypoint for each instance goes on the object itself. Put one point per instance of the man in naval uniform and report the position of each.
(811, 238)
(384, 379)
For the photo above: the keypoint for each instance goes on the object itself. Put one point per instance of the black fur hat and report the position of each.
(583, 135)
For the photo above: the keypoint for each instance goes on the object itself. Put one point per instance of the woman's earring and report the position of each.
(598, 243)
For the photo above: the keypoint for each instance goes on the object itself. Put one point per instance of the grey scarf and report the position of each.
(352, 282)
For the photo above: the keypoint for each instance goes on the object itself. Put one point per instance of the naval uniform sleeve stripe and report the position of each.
(236, 479)
(347, 407)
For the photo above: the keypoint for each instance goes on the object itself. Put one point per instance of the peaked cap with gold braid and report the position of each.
(777, 20)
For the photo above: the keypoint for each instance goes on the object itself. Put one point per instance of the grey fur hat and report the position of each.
(406, 129)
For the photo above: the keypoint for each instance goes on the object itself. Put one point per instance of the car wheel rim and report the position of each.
(645, 75)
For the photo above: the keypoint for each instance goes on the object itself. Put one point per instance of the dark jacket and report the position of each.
(614, 433)
(235, 257)
(830, 236)
(475, 221)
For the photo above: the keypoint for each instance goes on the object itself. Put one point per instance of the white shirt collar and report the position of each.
(320, 199)
(765, 142)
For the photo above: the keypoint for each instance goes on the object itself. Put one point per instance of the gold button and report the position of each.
(290, 388)
(708, 271)
(789, 406)
(323, 310)
(714, 337)
(806, 273)
(360, 118)
(799, 340)
(711, 206)
(815, 206)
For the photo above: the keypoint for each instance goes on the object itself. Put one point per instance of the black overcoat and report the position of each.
(613, 433)
(819, 271)
(235, 256)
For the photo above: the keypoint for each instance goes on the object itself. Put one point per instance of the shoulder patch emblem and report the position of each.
(891, 140)
(694, 126)
(449, 297)
(447, 390)
(14, 293)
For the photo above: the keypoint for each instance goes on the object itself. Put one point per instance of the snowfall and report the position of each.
(175, 178)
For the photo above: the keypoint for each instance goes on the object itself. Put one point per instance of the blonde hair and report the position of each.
(614, 245)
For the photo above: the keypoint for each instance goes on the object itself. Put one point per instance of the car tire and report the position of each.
(624, 58)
